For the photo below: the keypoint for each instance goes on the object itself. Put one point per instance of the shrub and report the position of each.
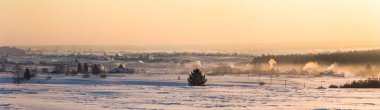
(121, 66)
(333, 86)
(261, 83)
(369, 83)
(321, 87)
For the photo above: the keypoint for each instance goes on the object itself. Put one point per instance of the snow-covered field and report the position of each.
(141, 91)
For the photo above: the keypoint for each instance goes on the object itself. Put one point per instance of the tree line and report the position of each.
(349, 57)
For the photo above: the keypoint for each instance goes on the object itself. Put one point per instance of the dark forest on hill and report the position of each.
(349, 57)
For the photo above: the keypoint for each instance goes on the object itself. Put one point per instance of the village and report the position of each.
(169, 77)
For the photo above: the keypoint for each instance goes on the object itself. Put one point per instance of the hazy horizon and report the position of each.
(253, 48)
(242, 49)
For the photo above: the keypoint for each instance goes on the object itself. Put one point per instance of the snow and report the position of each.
(165, 91)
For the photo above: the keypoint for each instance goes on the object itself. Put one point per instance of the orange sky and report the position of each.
(167, 22)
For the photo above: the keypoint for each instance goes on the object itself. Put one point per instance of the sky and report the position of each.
(256, 23)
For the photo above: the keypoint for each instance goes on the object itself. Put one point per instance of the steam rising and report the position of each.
(272, 62)
(199, 63)
(311, 67)
(331, 67)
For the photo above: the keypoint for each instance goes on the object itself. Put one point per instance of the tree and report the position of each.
(85, 68)
(196, 78)
(85, 71)
(27, 74)
(95, 69)
(80, 69)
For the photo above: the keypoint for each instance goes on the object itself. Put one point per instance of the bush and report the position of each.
(196, 78)
(369, 83)
(333, 86)
(103, 76)
(261, 83)
(321, 87)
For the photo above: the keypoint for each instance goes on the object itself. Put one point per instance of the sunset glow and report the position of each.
(177, 22)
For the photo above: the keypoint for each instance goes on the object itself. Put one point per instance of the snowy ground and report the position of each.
(167, 92)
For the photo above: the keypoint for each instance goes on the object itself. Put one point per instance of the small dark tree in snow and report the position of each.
(85, 68)
(95, 69)
(85, 71)
(27, 74)
(196, 78)
(80, 69)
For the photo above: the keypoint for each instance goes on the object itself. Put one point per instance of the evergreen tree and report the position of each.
(27, 74)
(95, 69)
(196, 78)
(85, 68)
(85, 71)
(80, 69)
